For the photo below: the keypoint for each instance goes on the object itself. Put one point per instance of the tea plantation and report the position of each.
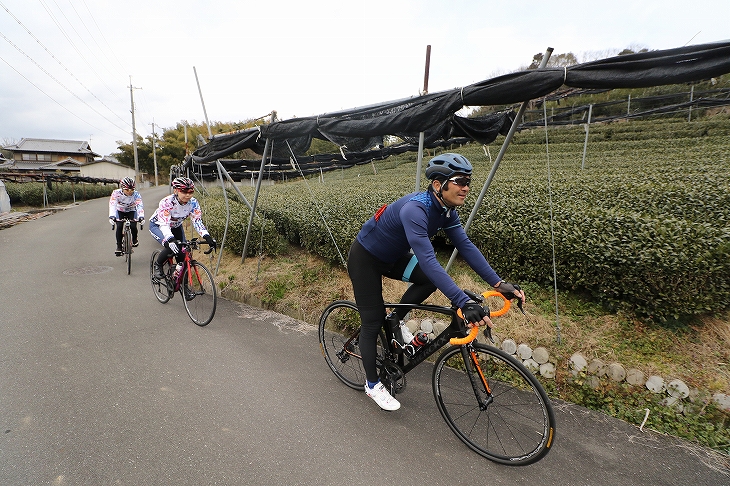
(643, 226)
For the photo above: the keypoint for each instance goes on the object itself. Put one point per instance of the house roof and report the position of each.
(54, 146)
(62, 163)
(106, 159)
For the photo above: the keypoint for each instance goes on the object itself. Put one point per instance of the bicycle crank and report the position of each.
(393, 378)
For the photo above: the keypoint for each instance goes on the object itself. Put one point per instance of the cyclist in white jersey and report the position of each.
(126, 203)
(166, 222)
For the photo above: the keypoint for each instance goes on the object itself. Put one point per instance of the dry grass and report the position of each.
(699, 355)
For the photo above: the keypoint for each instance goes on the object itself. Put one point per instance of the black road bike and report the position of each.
(488, 398)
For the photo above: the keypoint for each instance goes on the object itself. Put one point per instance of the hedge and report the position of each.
(31, 193)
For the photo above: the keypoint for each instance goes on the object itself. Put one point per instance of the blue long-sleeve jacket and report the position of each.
(409, 223)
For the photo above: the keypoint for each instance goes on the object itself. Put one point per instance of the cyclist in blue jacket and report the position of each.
(396, 243)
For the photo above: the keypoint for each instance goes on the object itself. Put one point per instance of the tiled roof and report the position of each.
(54, 146)
(65, 162)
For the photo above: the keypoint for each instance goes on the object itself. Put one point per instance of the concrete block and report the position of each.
(678, 389)
(655, 384)
(635, 377)
(531, 365)
(616, 372)
(541, 355)
(427, 325)
(509, 346)
(524, 351)
(597, 367)
(547, 370)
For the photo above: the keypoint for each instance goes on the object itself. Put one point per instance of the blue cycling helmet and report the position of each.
(446, 165)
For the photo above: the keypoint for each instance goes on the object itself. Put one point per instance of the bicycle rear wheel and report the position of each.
(199, 294)
(127, 248)
(339, 338)
(160, 288)
(513, 423)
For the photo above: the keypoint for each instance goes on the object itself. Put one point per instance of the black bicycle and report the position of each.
(489, 399)
(192, 279)
(127, 241)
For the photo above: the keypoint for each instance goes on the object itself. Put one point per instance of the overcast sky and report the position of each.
(65, 65)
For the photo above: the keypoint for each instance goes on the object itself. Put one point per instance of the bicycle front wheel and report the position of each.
(493, 404)
(127, 247)
(160, 288)
(199, 294)
(339, 341)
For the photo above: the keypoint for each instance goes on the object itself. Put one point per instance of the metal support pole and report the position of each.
(228, 216)
(498, 160)
(220, 175)
(691, 99)
(419, 160)
(585, 143)
(235, 188)
(267, 147)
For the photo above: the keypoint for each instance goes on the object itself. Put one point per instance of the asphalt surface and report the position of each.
(102, 385)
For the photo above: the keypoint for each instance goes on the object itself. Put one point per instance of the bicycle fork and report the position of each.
(479, 384)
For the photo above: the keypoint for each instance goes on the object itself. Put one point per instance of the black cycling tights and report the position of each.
(120, 226)
(165, 253)
(366, 273)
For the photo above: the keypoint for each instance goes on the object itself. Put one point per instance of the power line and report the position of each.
(62, 65)
(52, 99)
(105, 41)
(56, 80)
(70, 41)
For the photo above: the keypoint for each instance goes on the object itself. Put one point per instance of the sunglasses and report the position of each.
(460, 181)
(187, 192)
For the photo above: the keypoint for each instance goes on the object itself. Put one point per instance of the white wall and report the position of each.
(106, 170)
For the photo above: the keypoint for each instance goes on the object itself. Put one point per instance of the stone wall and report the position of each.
(539, 362)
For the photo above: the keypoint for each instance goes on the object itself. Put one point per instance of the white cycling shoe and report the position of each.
(381, 396)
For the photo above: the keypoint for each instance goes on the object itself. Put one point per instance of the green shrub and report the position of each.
(264, 236)
(31, 193)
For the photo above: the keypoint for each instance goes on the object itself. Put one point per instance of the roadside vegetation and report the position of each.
(33, 194)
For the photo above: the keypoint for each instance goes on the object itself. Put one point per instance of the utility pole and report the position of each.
(154, 152)
(134, 132)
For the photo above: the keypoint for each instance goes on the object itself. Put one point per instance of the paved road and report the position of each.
(100, 385)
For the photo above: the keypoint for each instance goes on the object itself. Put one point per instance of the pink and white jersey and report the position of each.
(125, 204)
(171, 214)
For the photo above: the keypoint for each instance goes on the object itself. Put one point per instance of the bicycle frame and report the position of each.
(455, 329)
(187, 262)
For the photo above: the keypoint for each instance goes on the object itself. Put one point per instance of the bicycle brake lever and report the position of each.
(519, 306)
(512, 296)
(488, 334)
(473, 296)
